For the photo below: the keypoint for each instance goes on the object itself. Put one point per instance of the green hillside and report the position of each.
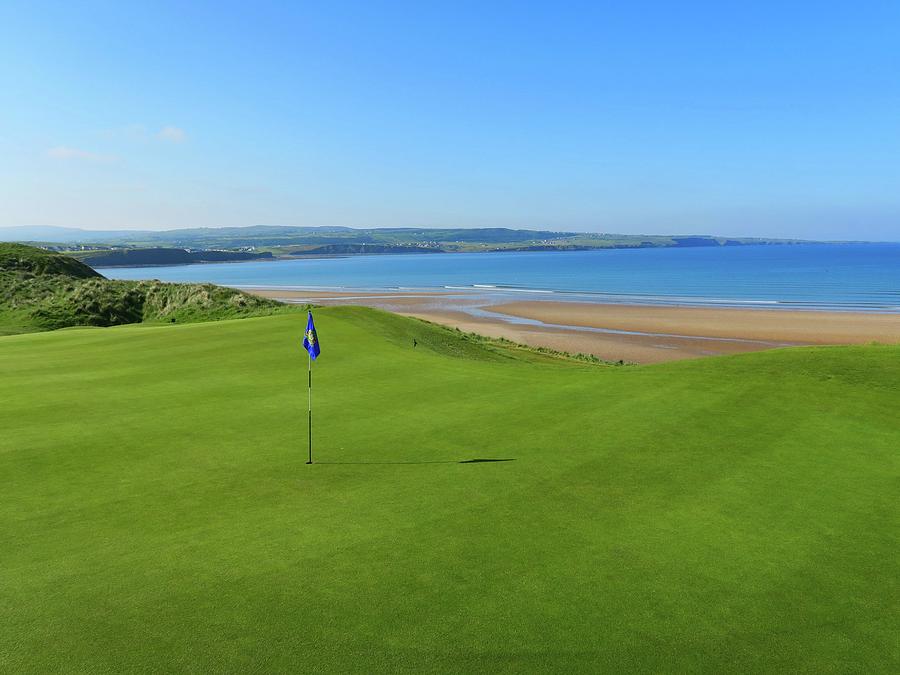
(725, 515)
(40, 290)
(133, 247)
(21, 259)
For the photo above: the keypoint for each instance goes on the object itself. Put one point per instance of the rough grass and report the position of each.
(32, 303)
(36, 261)
(40, 290)
(726, 515)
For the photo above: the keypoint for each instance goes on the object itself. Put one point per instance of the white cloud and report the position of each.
(172, 134)
(66, 153)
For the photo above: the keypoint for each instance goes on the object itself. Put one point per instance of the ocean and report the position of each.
(844, 277)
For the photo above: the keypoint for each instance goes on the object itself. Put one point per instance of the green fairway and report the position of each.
(731, 514)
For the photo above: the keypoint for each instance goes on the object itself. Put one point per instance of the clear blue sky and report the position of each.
(757, 118)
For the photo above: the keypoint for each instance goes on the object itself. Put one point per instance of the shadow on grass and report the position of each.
(438, 461)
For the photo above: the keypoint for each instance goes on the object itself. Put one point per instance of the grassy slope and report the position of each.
(50, 302)
(40, 290)
(28, 259)
(731, 514)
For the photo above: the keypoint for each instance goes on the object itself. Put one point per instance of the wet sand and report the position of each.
(646, 334)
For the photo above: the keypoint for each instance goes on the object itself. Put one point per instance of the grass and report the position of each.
(734, 514)
(49, 302)
(41, 290)
(24, 259)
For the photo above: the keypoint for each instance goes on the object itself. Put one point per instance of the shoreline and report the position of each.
(494, 295)
(627, 332)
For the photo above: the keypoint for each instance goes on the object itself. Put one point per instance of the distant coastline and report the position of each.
(203, 245)
(159, 257)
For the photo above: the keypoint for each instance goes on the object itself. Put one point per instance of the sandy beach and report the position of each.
(636, 333)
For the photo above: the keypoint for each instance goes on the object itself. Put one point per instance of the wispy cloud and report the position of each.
(172, 134)
(65, 152)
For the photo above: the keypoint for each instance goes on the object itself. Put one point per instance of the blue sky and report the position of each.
(764, 118)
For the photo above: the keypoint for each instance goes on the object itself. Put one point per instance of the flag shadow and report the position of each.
(435, 461)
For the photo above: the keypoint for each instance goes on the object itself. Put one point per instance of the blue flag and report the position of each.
(311, 340)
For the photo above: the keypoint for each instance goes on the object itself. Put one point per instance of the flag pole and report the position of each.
(309, 390)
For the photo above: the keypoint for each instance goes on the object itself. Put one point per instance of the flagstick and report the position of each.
(309, 388)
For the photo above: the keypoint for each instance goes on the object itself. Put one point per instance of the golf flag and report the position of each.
(311, 340)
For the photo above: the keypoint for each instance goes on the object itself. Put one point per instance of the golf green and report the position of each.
(157, 514)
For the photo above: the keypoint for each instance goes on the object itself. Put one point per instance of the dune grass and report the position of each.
(50, 302)
(727, 515)
(36, 261)
(41, 290)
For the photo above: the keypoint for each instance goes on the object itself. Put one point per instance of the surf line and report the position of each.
(481, 312)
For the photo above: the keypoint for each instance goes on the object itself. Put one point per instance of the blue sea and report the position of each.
(849, 277)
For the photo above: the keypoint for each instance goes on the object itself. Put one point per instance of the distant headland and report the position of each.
(110, 248)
